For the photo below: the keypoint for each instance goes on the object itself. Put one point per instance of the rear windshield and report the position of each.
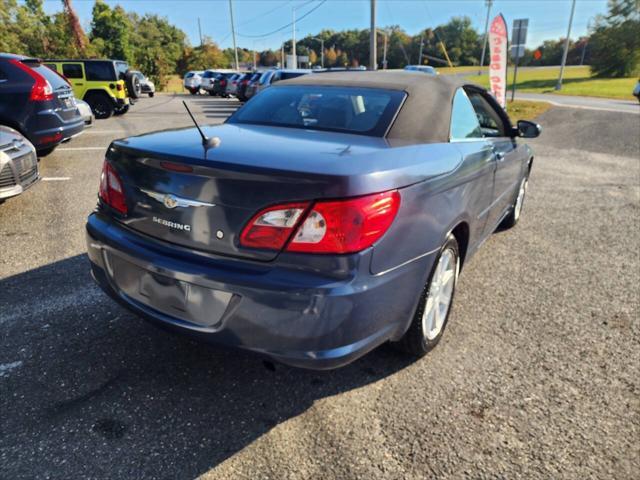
(290, 75)
(363, 111)
(209, 74)
(189, 75)
(56, 81)
(100, 71)
(265, 77)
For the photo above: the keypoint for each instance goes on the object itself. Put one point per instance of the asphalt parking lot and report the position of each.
(537, 376)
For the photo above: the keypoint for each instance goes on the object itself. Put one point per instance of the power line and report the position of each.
(262, 15)
(287, 25)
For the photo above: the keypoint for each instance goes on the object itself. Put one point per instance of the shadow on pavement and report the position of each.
(100, 393)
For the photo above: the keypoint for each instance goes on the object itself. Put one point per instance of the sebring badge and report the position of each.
(172, 201)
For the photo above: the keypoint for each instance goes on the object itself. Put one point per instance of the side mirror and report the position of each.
(527, 129)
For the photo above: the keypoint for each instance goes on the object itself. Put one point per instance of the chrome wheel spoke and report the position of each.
(440, 293)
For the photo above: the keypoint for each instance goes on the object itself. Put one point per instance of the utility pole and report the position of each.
(294, 62)
(282, 55)
(566, 47)
(200, 32)
(584, 52)
(373, 62)
(421, 45)
(488, 3)
(384, 52)
(321, 40)
(233, 34)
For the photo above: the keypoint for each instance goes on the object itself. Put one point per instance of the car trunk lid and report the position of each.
(176, 195)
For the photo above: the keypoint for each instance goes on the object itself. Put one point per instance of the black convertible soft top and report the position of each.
(425, 115)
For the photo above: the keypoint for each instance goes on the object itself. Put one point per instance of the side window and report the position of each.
(490, 121)
(52, 66)
(100, 71)
(72, 70)
(275, 77)
(464, 122)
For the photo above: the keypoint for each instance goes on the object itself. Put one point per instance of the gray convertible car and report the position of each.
(328, 215)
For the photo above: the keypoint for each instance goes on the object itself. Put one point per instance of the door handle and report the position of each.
(78, 84)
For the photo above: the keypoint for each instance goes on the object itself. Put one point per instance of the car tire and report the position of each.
(515, 212)
(211, 93)
(436, 300)
(134, 89)
(101, 105)
(151, 94)
(192, 92)
(121, 110)
(45, 151)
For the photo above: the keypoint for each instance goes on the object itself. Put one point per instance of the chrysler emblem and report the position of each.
(170, 201)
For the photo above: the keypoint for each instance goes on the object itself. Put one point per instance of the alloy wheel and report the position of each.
(520, 199)
(440, 294)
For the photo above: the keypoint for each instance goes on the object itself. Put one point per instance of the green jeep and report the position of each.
(106, 85)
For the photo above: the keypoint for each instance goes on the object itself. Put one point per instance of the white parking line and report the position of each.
(90, 131)
(55, 179)
(79, 149)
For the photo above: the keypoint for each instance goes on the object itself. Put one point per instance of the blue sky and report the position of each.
(547, 18)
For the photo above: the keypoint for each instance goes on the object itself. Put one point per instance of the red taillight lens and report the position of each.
(340, 226)
(111, 190)
(273, 226)
(223, 83)
(119, 87)
(41, 90)
(56, 137)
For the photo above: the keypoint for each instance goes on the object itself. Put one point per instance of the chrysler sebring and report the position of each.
(328, 215)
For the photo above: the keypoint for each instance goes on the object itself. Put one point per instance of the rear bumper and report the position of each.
(298, 318)
(48, 129)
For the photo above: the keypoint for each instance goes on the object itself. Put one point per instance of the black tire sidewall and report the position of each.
(134, 89)
(101, 100)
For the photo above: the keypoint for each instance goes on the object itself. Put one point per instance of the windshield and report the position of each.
(363, 111)
(265, 77)
(209, 74)
(122, 68)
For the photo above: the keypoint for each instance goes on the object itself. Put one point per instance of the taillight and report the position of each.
(273, 226)
(41, 90)
(111, 189)
(337, 226)
(119, 87)
(223, 83)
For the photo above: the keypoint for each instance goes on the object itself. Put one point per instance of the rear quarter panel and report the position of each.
(430, 209)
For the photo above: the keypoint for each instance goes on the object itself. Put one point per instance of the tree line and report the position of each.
(158, 48)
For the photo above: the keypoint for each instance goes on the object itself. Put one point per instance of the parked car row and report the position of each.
(242, 85)
(44, 103)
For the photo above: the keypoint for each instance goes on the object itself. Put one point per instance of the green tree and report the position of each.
(110, 30)
(615, 40)
(157, 46)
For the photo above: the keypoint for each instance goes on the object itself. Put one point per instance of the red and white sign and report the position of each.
(498, 65)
